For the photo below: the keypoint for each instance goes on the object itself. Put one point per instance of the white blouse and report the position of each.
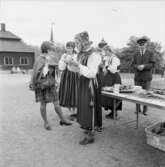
(62, 65)
(112, 63)
(91, 69)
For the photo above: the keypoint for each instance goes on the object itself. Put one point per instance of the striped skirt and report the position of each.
(68, 89)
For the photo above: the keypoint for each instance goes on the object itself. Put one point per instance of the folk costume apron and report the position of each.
(84, 108)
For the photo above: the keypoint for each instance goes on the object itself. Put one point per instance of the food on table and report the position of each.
(122, 88)
(159, 91)
(151, 94)
(126, 87)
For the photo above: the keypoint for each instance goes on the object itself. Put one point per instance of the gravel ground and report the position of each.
(24, 142)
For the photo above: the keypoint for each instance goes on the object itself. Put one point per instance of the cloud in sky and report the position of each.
(116, 21)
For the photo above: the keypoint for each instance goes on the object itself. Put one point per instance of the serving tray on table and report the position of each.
(110, 89)
(158, 91)
(152, 94)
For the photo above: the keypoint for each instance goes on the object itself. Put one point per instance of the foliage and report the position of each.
(126, 54)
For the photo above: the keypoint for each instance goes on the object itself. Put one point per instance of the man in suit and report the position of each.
(162, 71)
(143, 63)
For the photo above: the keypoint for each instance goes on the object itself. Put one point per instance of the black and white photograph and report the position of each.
(82, 83)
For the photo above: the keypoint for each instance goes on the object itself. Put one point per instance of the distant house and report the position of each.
(14, 52)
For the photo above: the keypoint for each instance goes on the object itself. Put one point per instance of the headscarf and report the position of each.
(83, 37)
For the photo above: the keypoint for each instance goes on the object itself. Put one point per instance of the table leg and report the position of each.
(137, 119)
(114, 109)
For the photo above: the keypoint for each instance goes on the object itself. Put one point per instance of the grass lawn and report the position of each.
(157, 82)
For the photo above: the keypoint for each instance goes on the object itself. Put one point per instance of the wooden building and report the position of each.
(14, 52)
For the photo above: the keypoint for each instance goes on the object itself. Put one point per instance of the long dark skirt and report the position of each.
(84, 110)
(109, 80)
(68, 89)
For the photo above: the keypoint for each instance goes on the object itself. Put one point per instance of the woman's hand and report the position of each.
(73, 63)
(140, 67)
(67, 59)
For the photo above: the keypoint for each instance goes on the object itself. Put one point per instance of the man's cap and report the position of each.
(142, 40)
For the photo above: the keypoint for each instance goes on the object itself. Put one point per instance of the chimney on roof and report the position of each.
(3, 27)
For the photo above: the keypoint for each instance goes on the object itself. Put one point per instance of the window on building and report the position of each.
(8, 60)
(24, 61)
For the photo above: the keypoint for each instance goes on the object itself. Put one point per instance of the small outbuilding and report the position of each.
(14, 52)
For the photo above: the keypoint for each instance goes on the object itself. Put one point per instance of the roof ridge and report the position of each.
(15, 46)
(8, 35)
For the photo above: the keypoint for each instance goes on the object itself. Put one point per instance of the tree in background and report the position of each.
(126, 54)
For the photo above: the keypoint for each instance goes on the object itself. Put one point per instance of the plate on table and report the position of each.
(123, 89)
(127, 88)
(127, 91)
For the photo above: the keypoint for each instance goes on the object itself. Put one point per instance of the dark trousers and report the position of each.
(145, 85)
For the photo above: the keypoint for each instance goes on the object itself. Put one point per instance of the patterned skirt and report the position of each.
(68, 89)
(47, 95)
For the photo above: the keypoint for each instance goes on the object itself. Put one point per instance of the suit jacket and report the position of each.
(148, 61)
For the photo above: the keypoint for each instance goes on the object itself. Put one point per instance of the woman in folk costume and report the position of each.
(68, 83)
(89, 90)
(43, 82)
(100, 47)
(111, 77)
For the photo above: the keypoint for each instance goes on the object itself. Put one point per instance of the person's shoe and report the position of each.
(73, 117)
(110, 116)
(47, 127)
(86, 141)
(145, 113)
(65, 123)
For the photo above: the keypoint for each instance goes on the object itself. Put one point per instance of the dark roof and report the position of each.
(8, 35)
(14, 46)
(9, 42)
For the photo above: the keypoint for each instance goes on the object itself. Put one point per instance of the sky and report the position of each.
(115, 21)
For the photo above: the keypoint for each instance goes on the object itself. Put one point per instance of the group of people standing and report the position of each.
(85, 70)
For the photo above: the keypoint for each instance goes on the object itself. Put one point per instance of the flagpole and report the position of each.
(51, 33)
